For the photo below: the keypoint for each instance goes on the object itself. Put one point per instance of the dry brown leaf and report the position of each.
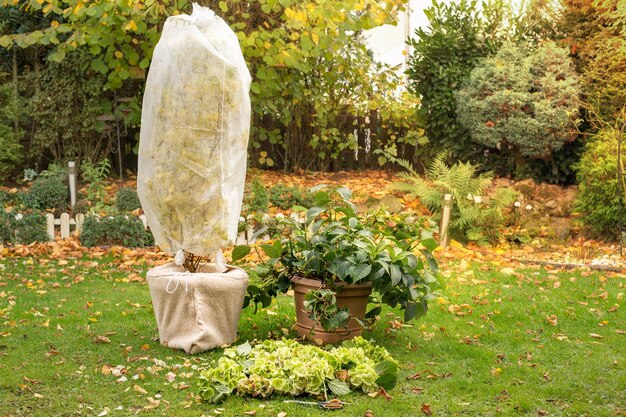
(552, 319)
(384, 394)
(426, 409)
(101, 339)
(139, 389)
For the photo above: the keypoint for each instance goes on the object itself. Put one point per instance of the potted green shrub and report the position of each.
(338, 262)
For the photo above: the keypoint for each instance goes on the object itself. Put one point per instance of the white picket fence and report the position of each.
(65, 223)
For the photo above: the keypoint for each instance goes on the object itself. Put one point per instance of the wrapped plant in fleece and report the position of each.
(194, 135)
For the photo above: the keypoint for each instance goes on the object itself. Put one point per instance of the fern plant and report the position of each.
(460, 179)
(473, 216)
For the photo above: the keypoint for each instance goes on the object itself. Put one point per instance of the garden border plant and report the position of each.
(336, 249)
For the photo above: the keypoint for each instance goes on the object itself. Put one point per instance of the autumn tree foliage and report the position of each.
(594, 31)
(313, 76)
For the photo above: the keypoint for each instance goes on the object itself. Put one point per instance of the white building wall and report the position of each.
(388, 43)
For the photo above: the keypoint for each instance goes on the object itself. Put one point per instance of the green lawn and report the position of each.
(533, 343)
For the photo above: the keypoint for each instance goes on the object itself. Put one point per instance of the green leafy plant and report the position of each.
(256, 199)
(313, 73)
(22, 228)
(599, 200)
(285, 197)
(127, 200)
(516, 231)
(68, 127)
(95, 175)
(55, 171)
(30, 174)
(335, 246)
(321, 305)
(46, 194)
(492, 217)
(115, 230)
(593, 31)
(290, 368)
(11, 151)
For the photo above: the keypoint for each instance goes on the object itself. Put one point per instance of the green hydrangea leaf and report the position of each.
(338, 387)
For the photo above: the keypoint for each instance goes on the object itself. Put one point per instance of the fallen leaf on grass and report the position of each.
(426, 409)
(507, 271)
(101, 339)
(139, 389)
(381, 393)
(460, 310)
(417, 390)
(418, 375)
(504, 394)
(552, 319)
(596, 336)
(153, 404)
(249, 413)
(368, 413)
(32, 381)
(281, 414)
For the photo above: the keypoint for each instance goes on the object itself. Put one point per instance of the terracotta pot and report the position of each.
(353, 296)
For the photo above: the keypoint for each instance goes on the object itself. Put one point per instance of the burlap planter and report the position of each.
(200, 311)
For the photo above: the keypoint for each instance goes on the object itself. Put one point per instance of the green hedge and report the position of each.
(115, 230)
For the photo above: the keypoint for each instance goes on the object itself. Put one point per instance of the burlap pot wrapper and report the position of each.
(197, 311)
